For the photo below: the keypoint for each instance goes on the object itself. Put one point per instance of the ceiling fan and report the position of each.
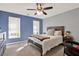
(40, 10)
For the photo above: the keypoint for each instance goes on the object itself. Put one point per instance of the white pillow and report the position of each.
(50, 32)
(57, 33)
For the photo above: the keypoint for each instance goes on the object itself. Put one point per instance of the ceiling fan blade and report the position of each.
(48, 8)
(31, 9)
(44, 13)
(35, 13)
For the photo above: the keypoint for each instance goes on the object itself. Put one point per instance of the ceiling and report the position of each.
(20, 8)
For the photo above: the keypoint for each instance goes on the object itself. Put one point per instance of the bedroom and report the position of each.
(26, 23)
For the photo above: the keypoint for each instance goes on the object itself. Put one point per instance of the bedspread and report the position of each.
(48, 44)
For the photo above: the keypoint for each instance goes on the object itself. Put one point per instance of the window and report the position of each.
(14, 27)
(36, 27)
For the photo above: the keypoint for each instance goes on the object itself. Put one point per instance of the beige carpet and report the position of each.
(24, 49)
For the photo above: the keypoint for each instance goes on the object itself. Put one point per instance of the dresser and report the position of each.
(2, 43)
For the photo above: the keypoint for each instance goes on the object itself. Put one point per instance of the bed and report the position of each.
(48, 41)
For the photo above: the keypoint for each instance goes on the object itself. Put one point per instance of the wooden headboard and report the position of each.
(61, 28)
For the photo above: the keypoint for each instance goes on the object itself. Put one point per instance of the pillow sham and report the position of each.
(50, 32)
(57, 33)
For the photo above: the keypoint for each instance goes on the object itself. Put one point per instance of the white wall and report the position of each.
(68, 19)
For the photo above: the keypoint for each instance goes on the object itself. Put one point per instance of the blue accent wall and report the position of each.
(26, 25)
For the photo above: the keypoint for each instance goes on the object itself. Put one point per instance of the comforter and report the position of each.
(48, 43)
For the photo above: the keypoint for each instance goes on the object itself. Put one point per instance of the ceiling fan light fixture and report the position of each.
(39, 13)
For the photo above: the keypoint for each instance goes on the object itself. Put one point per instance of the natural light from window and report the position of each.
(14, 27)
(36, 27)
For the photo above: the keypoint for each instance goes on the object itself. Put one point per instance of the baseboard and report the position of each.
(16, 42)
